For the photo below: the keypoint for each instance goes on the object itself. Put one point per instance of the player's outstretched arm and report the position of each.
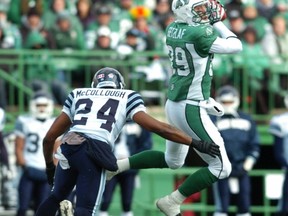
(227, 43)
(171, 133)
(60, 125)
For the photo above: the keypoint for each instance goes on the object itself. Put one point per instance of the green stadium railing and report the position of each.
(16, 64)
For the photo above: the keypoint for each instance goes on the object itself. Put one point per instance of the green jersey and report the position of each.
(188, 48)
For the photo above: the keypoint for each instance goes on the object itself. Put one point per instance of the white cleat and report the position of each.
(66, 208)
(168, 206)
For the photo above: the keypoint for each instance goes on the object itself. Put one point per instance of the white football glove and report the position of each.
(217, 12)
(212, 107)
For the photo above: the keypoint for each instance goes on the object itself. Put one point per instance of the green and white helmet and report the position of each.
(184, 11)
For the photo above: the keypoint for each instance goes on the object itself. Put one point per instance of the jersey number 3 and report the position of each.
(102, 113)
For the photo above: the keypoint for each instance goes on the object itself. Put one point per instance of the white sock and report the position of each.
(103, 213)
(130, 213)
(123, 165)
(178, 197)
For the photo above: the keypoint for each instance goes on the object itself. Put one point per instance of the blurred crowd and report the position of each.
(77, 24)
(126, 26)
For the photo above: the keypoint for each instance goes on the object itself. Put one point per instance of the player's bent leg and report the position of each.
(48, 207)
(141, 160)
(220, 167)
(82, 212)
(175, 154)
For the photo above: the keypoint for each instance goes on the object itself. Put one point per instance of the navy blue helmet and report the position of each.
(108, 78)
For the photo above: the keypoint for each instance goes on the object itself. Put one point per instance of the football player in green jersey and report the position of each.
(192, 39)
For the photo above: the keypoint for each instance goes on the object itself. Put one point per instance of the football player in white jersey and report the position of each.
(94, 117)
(30, 130)
(192, 39)
(278, 128)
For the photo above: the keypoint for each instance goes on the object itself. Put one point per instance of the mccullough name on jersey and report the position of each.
(100, 92)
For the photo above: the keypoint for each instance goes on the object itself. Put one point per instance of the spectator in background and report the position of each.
(4, 161)
(10, 38)
(6, 40)
(163, 7)
(234, 6)
(133, 139)
(10, 30)
(30, 131)
(165, 21)
(66, 35)
(132, 42)
(279, 130)
(103, 43)
(56, 8)
(256, 64)
(40, 74)
(150, 34)
(20, 8)
(103, 17)
(97, 2)
(252, 18)
(140, 16)
(126, 48)
(268, 9)
(275, 45)
(85, 13)
(241, 141)
(33, 22)
(121, 15)
(236, 23)
(283, 8)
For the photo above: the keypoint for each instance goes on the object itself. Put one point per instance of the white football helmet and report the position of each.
(184, 11)
(41, 106)
(228, 97)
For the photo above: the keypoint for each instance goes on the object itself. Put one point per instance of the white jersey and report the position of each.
(102, 113)
(278, 125)
(33, 131)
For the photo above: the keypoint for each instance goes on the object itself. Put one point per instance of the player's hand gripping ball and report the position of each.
(217, 13)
